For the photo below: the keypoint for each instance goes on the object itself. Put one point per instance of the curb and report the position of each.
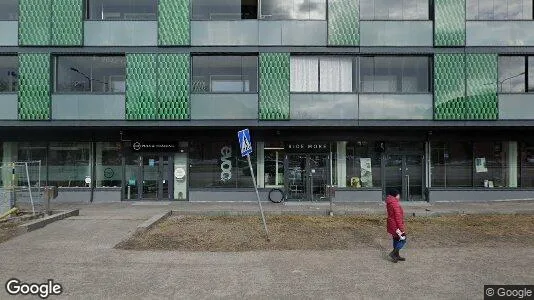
(146, 225)
(40, 223)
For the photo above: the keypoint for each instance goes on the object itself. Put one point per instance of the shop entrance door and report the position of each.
(149, 177)
(307, 176)
(405, 173)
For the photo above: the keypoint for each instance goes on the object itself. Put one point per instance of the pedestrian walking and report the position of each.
(395, 224)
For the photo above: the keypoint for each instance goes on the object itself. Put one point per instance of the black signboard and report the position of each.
(138, 146)
(307, 147)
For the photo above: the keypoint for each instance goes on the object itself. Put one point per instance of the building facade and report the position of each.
(129, 100)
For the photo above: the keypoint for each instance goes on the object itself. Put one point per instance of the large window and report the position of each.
(363, 165)
(527, 164)
(108, 164)
(217, 10)
(91, 74)
(499, 9)
(395, 74)
(225, 74)
(394, 9)
(495, 164)
(69, 164)
(218, 165)
(114, 10)
(323, 74)
(34, 152)
(511, 74)
(9, 77)
(9, 10)
(293, 10)
(452, 164)
(273, 164)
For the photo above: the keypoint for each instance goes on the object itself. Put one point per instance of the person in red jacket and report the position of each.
(395, 224)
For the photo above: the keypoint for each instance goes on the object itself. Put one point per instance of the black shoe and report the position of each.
(393, 256)
(399, 258)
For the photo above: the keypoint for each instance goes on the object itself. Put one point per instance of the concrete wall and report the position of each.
(479, 195)
(243, 195)
(516, 107)
(224, 106)
(356, 196)
(121, 33)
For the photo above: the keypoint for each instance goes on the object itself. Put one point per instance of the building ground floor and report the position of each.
(205, 164)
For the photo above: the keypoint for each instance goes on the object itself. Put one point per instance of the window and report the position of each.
(527, 164)
(9, 10)
(9, 75)
(218, 165)
(91, 74)
(31, 151)
(323, 74)
(273, 164)
(108, 164)
(452, 164)
(69, 164)
(216, 10)
(395, 74)
(121, 10)
(394, 9)
(225, 74)
(293, 10)
(495, 164)
(363, 165)
(512, 74)
(499, 9)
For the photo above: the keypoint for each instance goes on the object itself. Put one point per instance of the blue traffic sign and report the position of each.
(245, 143)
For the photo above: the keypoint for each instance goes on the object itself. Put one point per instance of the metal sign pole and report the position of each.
(258, 196)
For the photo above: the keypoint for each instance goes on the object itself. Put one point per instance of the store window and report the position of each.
(225, 74)
(452, 164)
(220, 10)
(395, 74)
(69, 164)
(499, 9)
(9, 10)
(394, 10)
(9, 73)
(122, 10)
(496, 164)
(219, 165)
(32, 152)
(91, 74)
(363, 165)
(527, 164)
(273, 164)
(323, 74)
(108, 161)
(293, 10)
(512, 74)
(3, 166)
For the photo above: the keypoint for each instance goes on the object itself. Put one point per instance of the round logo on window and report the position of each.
(179, 173)
(108, 173)
(137, 146)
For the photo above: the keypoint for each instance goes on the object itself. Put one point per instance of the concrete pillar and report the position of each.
(512, 164)
(180, 183)
(9, 155)
(260, 164)
(341, 164)
(99, 171)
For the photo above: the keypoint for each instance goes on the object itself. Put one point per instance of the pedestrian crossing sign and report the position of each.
(245, 144)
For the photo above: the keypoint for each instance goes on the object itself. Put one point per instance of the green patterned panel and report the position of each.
(34, 22)
(482, 77)
(274, 86)
(67, 22)
(141, 87)
(173, 86)
(343, 22)
(449, 23)
(173, 22)
(34, 86)
(449, 87)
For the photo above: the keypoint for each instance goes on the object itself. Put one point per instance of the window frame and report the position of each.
(87, 14)
(256, 55)
(493, 11)
(191, 16)
(56, 73)
(430, 11)
(16, 88)
(525, 72)
(262, 18)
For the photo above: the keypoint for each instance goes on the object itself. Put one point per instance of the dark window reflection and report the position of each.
(122, 9)
(91, 74)
(9, 10)
(499, 9)
(452, 164)
(216, 10)
(385, 74)
(9, 75)
(225, 74)
(511, 74)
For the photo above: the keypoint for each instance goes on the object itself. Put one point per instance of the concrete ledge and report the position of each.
(146, 225)
(31, 226)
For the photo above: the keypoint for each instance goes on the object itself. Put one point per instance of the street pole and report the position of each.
(257, 196)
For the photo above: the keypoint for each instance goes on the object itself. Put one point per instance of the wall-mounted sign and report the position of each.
(307, 147)
(138, 146)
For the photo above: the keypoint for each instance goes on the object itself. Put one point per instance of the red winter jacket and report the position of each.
(395, 215)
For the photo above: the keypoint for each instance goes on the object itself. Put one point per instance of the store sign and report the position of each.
(307, 147)
(156, 147)
(226, 163)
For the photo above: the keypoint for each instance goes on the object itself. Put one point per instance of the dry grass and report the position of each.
(8, 230)
(199, 233)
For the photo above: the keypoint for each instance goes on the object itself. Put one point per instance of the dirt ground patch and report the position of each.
(8, 230)
(202, 233)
